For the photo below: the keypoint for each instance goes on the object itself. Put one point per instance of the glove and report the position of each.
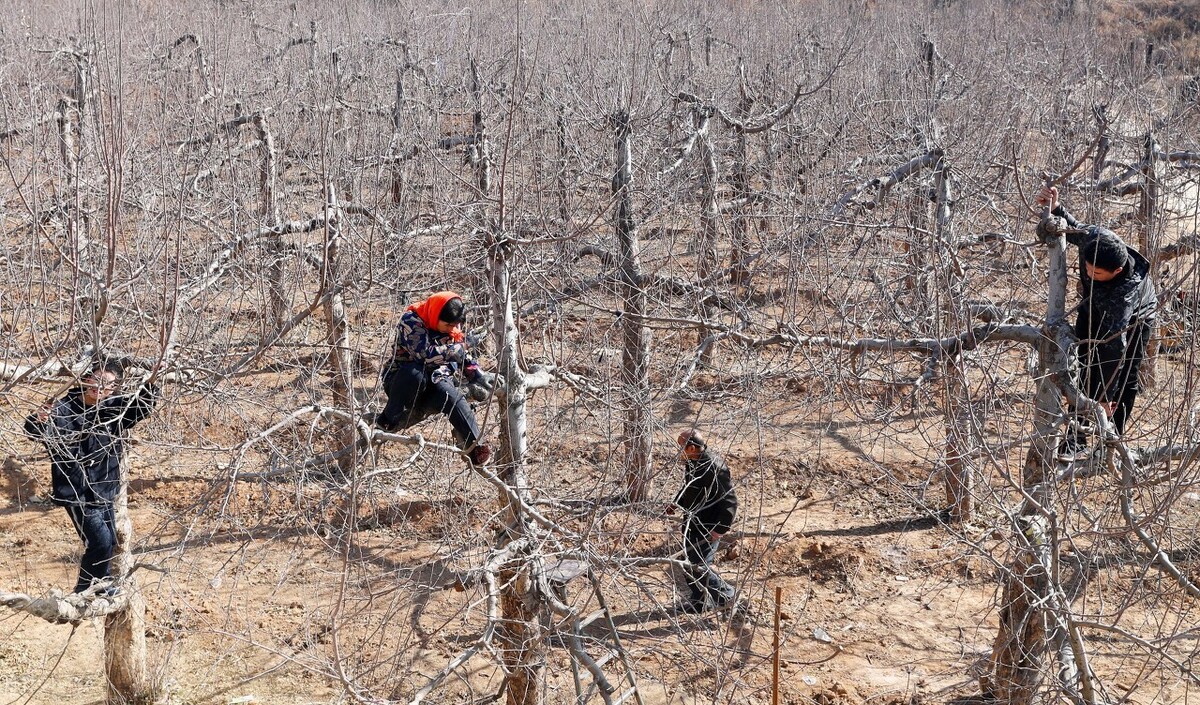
(456, 352)
(481, 384)
(442, 373)
(476, 340)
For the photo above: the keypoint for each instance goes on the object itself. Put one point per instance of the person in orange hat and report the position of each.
(430, 350)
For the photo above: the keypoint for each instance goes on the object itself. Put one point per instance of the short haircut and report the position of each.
(1106, 252)
(692, 437)
(111, 366)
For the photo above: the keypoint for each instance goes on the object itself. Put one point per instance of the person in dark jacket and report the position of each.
(1115, 317)
(83, 432)
(419, 378)
(710, 504)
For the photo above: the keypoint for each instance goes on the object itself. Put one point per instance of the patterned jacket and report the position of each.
(441, 355)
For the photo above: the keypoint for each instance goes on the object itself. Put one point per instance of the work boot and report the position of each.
(1073, 449)
(480, 454)
(380, 423)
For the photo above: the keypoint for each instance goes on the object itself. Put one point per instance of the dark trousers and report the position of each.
(412, 395)
(96, 525)
(1122, 387)
(701, 550)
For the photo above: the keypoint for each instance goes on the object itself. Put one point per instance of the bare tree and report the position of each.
(804, 228)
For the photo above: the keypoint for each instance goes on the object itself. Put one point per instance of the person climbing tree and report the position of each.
(83, 432)
(710, 504)
(1114, 320)
(419, 378)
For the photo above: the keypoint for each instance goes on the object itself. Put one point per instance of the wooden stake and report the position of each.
(775, 651)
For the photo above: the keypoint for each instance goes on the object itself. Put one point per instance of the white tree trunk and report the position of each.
(338, 331)
(520, 633)
(125, 630)
(960, 436)
(269, 215)
(1148, 213)
(635, 367)
(1033, 613)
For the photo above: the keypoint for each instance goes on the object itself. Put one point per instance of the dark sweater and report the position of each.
(707, 493)
(1109, 309)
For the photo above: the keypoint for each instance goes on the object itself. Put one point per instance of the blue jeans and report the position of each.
(96, 525)
(701, 550)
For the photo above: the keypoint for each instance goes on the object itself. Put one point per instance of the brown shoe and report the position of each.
(480, 454)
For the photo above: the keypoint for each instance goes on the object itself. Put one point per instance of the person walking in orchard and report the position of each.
(1114, 319)
(430, 352)
(709, 505)
(84, 431)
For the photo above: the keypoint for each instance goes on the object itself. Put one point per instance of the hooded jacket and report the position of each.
(418, 340)
(85, 443)
(707, 493)
(1109, 310)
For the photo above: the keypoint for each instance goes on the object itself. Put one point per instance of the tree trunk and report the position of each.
(77, 239)
(1148, 214)
(1018, 653)
(739, 272)
(960, 473)
(635, 368)
(397, 174)
(269, 214)
(338, 331)
(561, 192)
(706, 258)
(960, 437)
(125, 630)
(1020, 644)
(520, 632)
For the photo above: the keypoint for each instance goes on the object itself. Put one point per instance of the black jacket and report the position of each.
(707, 492)
(85, 443)
(1109, 310)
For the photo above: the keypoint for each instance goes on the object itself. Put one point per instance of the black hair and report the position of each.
(454, 311)
(111, 366)
(1106, 252)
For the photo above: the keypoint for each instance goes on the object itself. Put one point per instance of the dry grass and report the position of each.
(1173, 25)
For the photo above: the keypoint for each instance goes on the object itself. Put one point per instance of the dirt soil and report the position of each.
(880, 602)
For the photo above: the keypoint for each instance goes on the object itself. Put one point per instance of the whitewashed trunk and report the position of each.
(635, 367)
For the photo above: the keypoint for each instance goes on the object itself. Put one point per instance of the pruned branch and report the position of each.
(225, 129)
(766, 122)
(444, 144)
(31, 125)
(220, 264)
(489, 572)
(883, 184)
(1125, 458)
(62, 609)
